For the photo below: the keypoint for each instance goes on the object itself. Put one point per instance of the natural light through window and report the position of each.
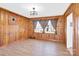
(38, 28)
(49, 28)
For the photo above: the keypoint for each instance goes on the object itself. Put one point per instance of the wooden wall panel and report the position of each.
(12, 30)
(3, 28)
(76, 17)
(30, 29)
(74, 8)
(59, 37)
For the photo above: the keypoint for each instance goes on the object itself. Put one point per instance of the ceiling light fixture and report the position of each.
(33, 12)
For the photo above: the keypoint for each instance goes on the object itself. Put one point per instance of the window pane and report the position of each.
(49, 28)
(38, 28)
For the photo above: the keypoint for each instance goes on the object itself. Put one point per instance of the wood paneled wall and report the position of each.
(59, 37)
(22, 27)
(12, 30)
(74, 8)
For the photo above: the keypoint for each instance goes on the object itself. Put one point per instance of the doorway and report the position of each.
(69, 33)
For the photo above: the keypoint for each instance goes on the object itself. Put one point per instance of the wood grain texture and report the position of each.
(60, 36)
(32, 47)
(22, 28)
(12, 30)
(74, 8)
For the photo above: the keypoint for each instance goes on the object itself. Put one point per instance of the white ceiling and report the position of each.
(44, 9)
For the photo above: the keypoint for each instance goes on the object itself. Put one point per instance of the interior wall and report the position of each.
(12, 30)
(74, 7)
(59, 37)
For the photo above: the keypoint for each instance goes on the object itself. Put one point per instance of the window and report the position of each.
(38, 28)
(49, 28)
(45, 26)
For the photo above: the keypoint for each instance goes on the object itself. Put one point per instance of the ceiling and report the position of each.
(43, 9)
